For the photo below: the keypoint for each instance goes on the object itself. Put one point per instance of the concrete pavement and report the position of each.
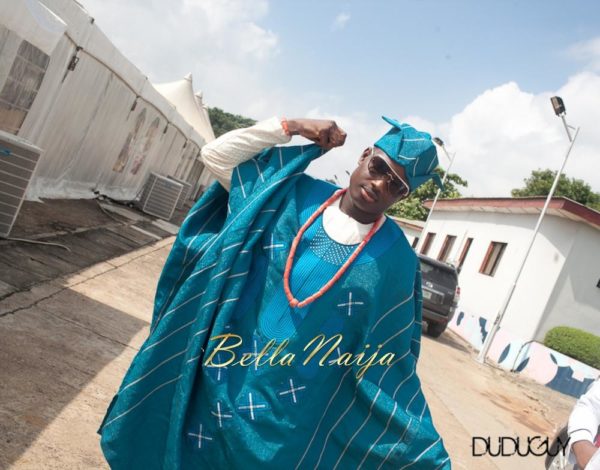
(65, 345)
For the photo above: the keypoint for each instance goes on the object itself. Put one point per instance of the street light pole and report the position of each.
(440, 143)
(559, 109)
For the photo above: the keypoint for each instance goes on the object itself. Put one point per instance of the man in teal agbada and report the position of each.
(225, 276)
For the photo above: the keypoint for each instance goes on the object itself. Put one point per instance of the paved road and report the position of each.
(468, 399)
(65, 345)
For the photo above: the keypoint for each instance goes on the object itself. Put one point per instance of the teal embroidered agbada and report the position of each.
(224, 275)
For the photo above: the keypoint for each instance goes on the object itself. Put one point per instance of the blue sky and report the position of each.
(478, 74)
(427, 57)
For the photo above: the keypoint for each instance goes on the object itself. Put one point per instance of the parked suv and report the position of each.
(440, 294)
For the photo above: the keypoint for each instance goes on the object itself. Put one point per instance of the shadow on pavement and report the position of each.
(50, 353)
(92, 234)
(450, 339)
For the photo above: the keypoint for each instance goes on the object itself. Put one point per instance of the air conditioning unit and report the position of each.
(160, 196)
(18, 159)
(187, 187)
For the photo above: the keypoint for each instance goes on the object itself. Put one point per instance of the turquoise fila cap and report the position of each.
(412, 149)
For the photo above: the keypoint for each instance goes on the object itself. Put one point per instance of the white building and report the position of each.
(411, 228)
(560, 284)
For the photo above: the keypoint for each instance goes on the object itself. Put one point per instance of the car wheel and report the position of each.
(435, 329)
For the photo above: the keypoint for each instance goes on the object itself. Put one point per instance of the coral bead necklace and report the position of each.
(295, 303)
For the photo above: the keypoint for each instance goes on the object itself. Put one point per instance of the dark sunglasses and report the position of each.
(380, 169)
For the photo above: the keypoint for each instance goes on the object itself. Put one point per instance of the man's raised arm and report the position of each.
(222, 155)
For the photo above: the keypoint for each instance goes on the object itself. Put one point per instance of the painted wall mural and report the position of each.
(143, 147)
(531, 359)
(129, 143)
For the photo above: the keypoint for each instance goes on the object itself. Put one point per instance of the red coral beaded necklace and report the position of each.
(290, 259)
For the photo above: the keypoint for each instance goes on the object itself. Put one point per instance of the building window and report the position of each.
(492, 258)
(414, 242)
(446, 247)
(21, 87)
(464, 252)
(427, 243)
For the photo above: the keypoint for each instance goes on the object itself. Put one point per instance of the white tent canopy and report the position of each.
(180, 94)
(34, 21)
(204, 110)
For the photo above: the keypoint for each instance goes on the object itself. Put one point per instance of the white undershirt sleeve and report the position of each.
(585, 417)
(222, 155)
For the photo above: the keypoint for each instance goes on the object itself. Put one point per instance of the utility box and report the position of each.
(160, 196)
(185, 194)
(18, 159)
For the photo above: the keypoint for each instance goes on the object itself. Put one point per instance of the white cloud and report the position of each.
(505, 133)
(257, 42)
(499, 138)
(588, 52)
(223, 14)
(220, 42)
(340, 21)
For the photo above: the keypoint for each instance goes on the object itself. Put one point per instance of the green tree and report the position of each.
(223, 122)
(540, 183)
(412, 207)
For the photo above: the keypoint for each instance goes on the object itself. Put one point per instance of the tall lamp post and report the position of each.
(440, 143)
(560, 111)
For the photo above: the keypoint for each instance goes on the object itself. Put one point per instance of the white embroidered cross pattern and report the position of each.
(200, 436)
(251, 406)
(349, 304)
(217, 367)
(219, 414)
(273, 245)
(254, 353)
(292, 390)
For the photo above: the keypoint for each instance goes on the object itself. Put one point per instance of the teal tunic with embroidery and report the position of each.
(224, 276)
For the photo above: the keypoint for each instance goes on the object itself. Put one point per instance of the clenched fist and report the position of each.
(323, 132)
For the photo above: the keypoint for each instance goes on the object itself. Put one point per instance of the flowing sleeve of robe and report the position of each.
(191, 302)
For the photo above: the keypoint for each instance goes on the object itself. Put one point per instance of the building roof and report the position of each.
(408, 223)
(559, 206)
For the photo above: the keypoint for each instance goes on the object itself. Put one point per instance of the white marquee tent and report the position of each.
(204, 109)
(102, 126)
(181, 95)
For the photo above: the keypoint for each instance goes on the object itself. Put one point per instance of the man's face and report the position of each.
(370, 192)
